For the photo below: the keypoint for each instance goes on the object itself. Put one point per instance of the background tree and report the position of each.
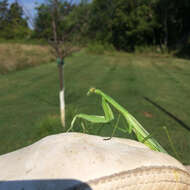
(3, 17)
(100, 20)
(13, 23)
(79, 16)
(136, 21)
(43, 22)
(125, 24)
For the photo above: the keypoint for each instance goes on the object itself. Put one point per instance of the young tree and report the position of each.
(61, 44)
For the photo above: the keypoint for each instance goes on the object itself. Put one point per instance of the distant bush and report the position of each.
(109, 47)
(96, 48)
(99, 47)
(151, 49)
(48, 126)
(147, 49)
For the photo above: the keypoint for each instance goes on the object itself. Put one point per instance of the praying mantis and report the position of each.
(133, 125)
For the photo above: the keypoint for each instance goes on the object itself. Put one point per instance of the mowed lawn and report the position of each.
(30, 95)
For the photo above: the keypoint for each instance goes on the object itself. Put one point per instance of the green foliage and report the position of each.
(3, 14)
(49, 125)
(122, 23)
(78, 18)
(125, 24)
(149, 49)
(100, 20)
(137, 22)
(12, 23)
(98, 47)
(109, 47)
(43, 21)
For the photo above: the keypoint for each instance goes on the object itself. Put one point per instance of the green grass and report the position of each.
(29, 96)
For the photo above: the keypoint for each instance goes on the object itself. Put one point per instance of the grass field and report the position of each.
(28, 97)
(17, 56)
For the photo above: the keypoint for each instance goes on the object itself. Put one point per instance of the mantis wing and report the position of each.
(143, 135)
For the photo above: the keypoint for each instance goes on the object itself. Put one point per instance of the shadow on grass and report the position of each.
(65, 184)
(168, 113)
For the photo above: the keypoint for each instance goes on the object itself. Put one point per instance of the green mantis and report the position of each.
(133, 125)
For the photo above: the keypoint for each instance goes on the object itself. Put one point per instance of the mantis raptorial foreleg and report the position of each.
(94, 118)
(133, 125)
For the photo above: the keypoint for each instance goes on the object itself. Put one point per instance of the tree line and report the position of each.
(126, 24)
(13, 24)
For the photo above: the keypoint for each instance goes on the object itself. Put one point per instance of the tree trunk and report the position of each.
(166, 28)
(60, 62)
(61, 93)
(62, 107)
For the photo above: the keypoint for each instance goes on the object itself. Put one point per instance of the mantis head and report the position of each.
(92, 90)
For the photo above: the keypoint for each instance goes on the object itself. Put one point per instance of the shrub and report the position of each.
(147, 49)
(151, 50)
(96, 48)
(109, 47)
(99, 47)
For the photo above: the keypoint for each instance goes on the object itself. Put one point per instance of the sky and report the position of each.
(30, 5)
